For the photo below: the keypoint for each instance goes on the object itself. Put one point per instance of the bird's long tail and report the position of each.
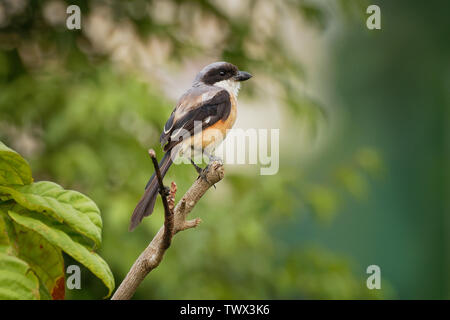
(147, 203)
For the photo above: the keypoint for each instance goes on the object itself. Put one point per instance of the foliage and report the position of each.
(87, 123)
(37, 222)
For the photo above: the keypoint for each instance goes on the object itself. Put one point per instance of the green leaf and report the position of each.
(4, 239)
(17, 282)
(5, 197)
(13, 168)
(56, 235)
(66, 206)
(6, 229)
(45, 259)
(43, 292)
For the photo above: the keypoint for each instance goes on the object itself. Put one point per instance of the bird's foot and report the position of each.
(214, 158)
(202, 172)
(197, 168)
(202, 175)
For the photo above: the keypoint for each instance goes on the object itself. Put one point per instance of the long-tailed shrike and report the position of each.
(207, 108)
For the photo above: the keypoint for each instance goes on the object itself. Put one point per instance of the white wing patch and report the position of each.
(208, 95)
(174, 134)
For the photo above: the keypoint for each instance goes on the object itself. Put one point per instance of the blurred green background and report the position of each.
(364, 139)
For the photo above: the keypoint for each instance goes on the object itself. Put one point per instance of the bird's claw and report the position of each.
(202, 172)
(202, 176)
(214, 158)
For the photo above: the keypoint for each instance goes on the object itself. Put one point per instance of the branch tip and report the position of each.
(152, 153)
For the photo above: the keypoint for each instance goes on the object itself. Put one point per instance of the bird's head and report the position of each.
(224, 75)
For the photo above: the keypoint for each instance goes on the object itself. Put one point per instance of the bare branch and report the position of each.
(152, 256)
(191, 224)
(168, 216)
(168, 213)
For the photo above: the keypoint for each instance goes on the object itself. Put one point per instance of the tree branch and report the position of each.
(168, 213)
(152, 256)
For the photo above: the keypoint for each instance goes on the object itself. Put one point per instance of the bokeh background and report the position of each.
(364, 138)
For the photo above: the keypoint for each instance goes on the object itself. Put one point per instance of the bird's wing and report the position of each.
(199, 105)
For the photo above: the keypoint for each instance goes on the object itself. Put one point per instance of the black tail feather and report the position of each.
(147, 203)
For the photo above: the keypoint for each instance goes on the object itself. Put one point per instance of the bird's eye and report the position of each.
(222, 73)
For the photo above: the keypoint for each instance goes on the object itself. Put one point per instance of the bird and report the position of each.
(205, 110)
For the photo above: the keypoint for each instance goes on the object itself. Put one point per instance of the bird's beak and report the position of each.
(242, 76)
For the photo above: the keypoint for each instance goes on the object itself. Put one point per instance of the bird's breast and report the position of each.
(216, 133)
